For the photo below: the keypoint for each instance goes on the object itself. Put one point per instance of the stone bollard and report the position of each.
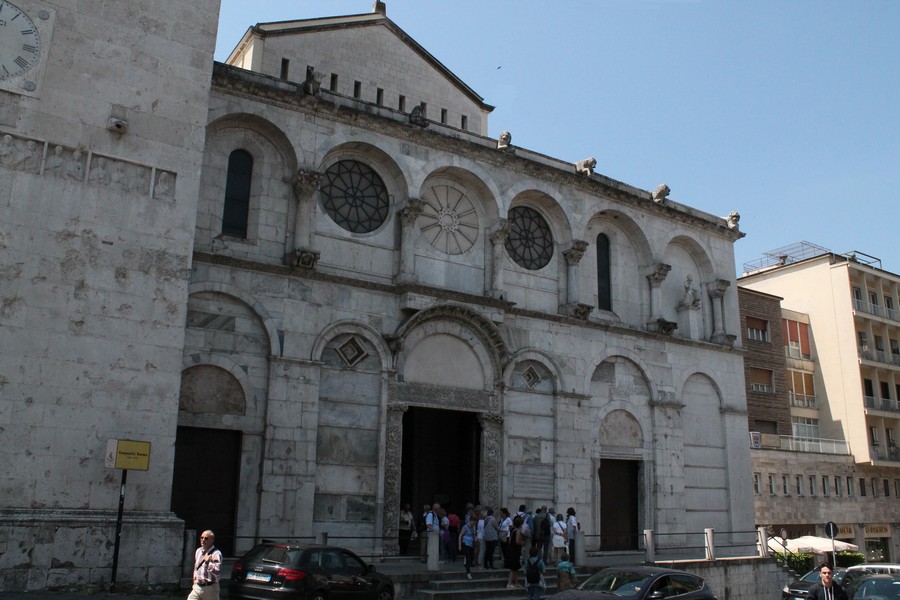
(580, 553)
(649, 546)
(434, 553)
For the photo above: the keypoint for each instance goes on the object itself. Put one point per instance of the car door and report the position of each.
(364, 584)
(339, 584)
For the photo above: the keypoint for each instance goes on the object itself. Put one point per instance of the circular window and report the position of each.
(530, 241)
(449, 219)
(354, 196)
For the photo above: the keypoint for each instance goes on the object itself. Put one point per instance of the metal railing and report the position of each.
(875, 310)
(705, 545)
(803, 400)
(881, 403)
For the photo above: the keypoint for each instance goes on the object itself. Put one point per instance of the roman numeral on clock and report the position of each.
(21, 62)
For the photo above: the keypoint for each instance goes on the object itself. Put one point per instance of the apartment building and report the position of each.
(838, 336)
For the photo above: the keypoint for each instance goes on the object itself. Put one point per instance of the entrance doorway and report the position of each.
(619, 504)
(205, 482)
(441, 458)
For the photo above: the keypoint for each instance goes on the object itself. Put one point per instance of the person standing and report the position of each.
(826, 589)
(513, 556)
(207, 566)
(559, 537)
(405, 528)
(565, 573)
(571, 528)
(534, 575)
(538, 539)
(491, 534)
(466, 544)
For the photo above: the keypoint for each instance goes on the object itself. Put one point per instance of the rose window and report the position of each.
(530, 241)
(449, 220)
(354, 196)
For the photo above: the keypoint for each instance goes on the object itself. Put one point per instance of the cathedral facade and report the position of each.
(328, 294)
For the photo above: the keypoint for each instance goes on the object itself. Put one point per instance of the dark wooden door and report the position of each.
(619, 504)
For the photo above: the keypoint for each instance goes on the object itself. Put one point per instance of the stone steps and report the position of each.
(484, 585)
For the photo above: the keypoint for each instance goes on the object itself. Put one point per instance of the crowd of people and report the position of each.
(533, 540)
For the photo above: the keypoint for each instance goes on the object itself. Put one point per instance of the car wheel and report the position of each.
(318, 596)
(385, 593)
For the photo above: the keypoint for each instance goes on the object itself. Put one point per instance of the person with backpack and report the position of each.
(540, 536)
(534, 575)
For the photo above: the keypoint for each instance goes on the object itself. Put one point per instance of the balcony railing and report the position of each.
(891, 453)
(803, 401)
(805, 444)
(880, 356)
(881, 403)
(876, 310)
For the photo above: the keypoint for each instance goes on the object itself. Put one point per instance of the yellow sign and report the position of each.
(128, 454)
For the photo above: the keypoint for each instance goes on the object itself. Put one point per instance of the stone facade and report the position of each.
(327, 309)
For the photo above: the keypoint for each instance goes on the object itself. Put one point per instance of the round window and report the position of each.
(530, 241)
(449, 220)
(354, 196)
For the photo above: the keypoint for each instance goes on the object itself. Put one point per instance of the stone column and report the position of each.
(573, 307)
(716, 291)
(498, 234)
(301, 255)
(656, 278)
(491, 457)
(393, 456)
(408, 217)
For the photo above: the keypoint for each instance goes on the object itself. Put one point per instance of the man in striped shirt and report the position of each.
(207, 565)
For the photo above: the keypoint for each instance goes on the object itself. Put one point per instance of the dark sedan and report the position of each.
(875, 587)
(279, 571)
(639, 583)
(799, 588)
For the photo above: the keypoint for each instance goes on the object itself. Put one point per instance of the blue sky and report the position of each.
(787, 111)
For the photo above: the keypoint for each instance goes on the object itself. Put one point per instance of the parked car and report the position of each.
(799, 588)
(874, 587)
(639, 583)
(279, 571)
(874, 568)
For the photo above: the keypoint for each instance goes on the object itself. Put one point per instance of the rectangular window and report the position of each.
(757, 329)
(825, 485)
(887, 487)
(785, 485)
(812, 485)
(798, 480)
(464, 123)
(874, 488)
(761, 380)
(796, 338)
(862, 340)
(873, 435)
(889, 307)
(850, 487)
(357, 90)
(897, 487)
(401, 103)
(885, 390)
(334, 82)
(379, 97)
(756, 483)
(837, 486)
(803, 391)
(862, 486)
(857, 298)
(285, 67)
(805, 428)
(443, 116)
(771, 484)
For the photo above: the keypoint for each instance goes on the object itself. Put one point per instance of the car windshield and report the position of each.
(627, 584)
(880, 588)
(811, 577)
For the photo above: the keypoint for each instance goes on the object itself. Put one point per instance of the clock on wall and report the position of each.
(24, 38)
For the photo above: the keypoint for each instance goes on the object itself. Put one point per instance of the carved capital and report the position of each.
(659, 273)
(305, 183)
(409, 213)
(499, 232)
(662, 326)
(576, 310)
(574, 254)
(716, 289)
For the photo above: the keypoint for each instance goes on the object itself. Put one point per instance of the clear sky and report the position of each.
(787, 111)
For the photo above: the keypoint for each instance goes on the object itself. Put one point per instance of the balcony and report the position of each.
(803, 401)
(805, 444)
(881, 403)
(879, 356)
(891, 453)
(876, 310)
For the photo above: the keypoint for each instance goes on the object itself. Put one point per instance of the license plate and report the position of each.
(258, 577)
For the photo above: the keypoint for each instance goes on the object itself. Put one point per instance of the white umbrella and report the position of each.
(810, 544)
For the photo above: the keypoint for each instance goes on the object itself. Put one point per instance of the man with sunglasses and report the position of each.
(826, 589)
(207, 566)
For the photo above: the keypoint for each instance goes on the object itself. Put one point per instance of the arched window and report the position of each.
(604, 277)
(237, 194)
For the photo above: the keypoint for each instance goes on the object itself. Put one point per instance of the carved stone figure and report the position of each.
(661, 193)
(163, 187)
(29, 159)
(733, 219)
(117, 178)
(55, 162)
(74, 168)
(311, 85)
(691, 296)
(586, 166)
(7, 151)
(99, 173)
(505, 141)
(417, 116)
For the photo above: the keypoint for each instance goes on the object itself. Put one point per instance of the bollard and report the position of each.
(710, 544)
(649, 546)
(434, 553)
(580, 554)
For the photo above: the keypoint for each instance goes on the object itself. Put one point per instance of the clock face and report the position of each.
(19, 41)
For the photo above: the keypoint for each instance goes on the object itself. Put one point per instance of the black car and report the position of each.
(639, 583)
(799, 588)
(271, 570)
(880, 587)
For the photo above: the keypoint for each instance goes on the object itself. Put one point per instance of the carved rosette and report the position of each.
(393, 456)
